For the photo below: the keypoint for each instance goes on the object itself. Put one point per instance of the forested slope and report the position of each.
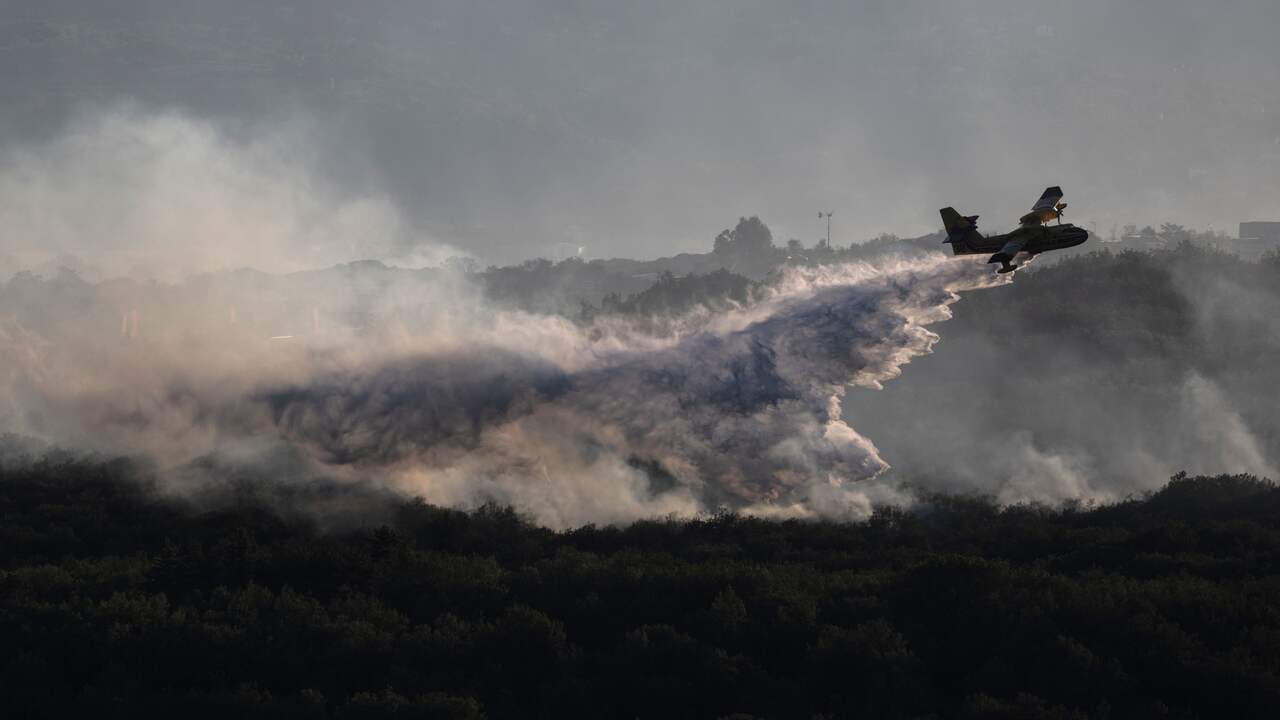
(1095, 377)
(113, 599)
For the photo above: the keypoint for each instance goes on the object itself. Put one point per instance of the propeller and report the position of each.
(1060, 207)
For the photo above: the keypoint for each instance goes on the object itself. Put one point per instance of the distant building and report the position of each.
(1256, 238)
(1146, 239)
(1260, 231)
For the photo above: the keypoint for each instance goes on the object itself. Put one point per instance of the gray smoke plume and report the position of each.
(438, 393)
(130, 191)
(410, 379)
(742, 412)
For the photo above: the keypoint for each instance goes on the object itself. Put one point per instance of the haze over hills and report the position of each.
(504, 129)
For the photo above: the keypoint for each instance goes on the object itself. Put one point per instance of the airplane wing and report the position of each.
(1045, 208)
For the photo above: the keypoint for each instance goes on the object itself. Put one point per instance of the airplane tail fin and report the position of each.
(962, 231)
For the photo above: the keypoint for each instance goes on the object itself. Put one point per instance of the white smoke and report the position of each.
(165, 195)
(1216, 433)
(449, 398)
(743, 412)
(410, 378)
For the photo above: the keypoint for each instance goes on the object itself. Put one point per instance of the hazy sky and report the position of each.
(504, 127)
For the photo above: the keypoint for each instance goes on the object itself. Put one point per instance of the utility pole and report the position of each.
(827, 215)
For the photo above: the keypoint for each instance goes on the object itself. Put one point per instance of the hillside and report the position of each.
(1105, 372)
(113, 598)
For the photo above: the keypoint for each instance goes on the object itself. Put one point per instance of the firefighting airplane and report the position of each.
(1033, 236)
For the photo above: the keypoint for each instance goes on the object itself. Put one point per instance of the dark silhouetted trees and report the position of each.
(749, 237)
(114, 600)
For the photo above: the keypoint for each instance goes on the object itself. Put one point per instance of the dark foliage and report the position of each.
(671, 295)
(115, 600)
(750, 236)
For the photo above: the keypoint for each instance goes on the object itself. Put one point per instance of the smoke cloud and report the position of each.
(1094, 380)
(409, 380)
(744, 413)
(439, 394)
(161, 194)
(177, 145)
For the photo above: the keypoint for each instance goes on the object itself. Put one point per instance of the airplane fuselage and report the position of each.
(1032, 237)
(1038, 239)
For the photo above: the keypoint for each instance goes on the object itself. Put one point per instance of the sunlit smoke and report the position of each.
(165, 195)
(444, 396)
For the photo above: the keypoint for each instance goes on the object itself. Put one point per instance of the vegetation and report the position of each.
(115, 599)
(1119, 360)
(741, 257)
(672, 295)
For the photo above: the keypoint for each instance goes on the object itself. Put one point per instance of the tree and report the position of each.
(1174, 233)
(750, 236)
(723, 243)
(465, 265)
